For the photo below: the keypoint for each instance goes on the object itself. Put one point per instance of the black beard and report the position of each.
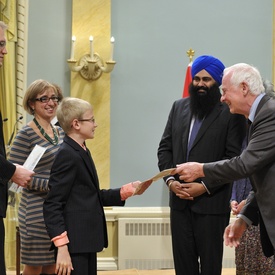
(202, 103)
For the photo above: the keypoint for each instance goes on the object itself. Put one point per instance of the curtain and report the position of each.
(8, 109)
(8, 71)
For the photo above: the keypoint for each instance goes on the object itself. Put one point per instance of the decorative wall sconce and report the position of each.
(91, 66)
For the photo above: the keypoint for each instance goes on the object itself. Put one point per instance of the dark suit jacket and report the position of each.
(75, 202)
(257, 162)
(220, 137)
(7, 170)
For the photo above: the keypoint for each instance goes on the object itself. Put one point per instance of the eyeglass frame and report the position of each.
(92, 120)
(46, 99)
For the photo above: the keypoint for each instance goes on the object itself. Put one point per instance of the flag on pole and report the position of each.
(188, 80)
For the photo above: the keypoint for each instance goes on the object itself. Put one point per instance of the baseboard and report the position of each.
(108, 263)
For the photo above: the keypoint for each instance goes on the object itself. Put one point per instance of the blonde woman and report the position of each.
(41, 101)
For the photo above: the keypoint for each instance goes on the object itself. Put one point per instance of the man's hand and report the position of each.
(234, 207)
(22, 176)
(63, 261)
(178, 189)
(233, 232)
(237, 207)
(189, 171)
(194, 189)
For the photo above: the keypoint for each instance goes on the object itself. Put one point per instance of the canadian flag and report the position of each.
(188, 80)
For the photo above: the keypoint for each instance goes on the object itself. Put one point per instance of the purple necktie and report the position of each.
(194, 132)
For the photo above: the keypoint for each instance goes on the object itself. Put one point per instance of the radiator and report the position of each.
(145, 243)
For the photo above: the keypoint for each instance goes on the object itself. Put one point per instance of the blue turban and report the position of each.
(211, 64)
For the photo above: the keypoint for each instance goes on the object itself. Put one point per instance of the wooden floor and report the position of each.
(226, 271)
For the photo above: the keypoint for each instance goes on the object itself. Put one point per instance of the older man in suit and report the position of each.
(8, 171)
(198, 223)
(243, 91)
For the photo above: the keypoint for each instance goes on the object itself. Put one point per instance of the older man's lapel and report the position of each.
(260, 105)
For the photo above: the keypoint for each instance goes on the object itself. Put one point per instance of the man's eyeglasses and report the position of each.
(3, 44)
(88, 119)
(45, 99)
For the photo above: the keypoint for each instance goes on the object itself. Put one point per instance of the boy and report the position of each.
(73, 209)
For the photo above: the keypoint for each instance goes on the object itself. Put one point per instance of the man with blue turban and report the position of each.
(211, 64)
(200, 128)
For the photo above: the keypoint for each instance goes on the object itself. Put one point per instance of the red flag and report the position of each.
(188, 80)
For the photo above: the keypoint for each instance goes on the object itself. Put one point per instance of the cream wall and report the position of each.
(93, 18)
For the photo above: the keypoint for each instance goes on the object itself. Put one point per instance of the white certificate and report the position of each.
(30, 164)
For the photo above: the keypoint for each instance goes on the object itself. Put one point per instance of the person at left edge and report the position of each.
(197, 224)
(8, 170)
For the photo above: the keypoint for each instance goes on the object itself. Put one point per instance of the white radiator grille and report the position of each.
(147, 228)
(144, 243)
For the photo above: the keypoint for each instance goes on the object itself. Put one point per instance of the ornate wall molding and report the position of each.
(21, 57)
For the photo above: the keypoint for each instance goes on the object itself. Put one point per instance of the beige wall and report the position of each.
(93, 18)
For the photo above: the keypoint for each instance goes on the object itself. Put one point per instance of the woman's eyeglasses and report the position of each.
(45, 99)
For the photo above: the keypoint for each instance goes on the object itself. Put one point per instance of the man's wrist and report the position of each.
(170, 179)
(203, 184)
(170, 183)
(244, 219)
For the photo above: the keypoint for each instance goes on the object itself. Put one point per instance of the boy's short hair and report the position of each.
(69, 109)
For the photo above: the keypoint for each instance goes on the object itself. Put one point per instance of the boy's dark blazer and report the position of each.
(75, 201)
